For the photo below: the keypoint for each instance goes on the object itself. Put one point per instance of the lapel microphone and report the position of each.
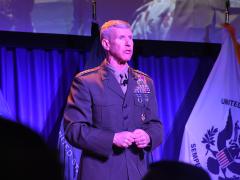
(124, 81)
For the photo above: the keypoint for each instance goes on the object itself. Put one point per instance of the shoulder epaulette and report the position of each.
(140, 72)
(88, 71)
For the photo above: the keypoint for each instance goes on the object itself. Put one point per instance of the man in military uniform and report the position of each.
(111, 112)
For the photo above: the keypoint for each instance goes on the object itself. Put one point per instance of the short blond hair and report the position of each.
(104, 31)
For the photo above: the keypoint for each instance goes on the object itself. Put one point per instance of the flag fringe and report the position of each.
(232, 33)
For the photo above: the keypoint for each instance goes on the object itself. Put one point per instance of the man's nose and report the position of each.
(128, 42)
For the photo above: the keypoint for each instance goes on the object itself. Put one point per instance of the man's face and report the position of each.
(120, 44)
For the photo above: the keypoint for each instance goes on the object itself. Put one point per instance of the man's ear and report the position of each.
(105, 44)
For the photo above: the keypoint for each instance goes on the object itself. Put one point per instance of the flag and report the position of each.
(69, 156)
(211, 137)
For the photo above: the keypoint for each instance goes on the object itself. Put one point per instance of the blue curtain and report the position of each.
(35, 83)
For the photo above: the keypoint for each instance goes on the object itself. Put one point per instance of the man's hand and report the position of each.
(142, 139)
(123, 139)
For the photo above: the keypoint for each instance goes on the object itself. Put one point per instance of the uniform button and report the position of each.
(125, 117)
(125, 106)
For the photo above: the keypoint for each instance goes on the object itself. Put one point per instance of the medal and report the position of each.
(143, 117)
(142, 86)
(139, 98)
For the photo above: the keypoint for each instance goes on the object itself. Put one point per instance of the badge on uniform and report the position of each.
(142, 86)
(139, 98)
(143, 117)
(142, 89)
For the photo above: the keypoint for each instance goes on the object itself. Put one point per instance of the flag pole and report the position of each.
(94, 28)
(231, 30)
(227, 4)
(94, 8)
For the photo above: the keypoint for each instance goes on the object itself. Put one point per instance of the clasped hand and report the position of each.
(125, 139)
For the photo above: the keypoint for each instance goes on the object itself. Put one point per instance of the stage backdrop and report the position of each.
(181, 20)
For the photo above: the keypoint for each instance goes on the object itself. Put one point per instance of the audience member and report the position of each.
(24, 155)
(172, 170)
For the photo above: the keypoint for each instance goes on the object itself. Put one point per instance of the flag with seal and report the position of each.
(211, 137)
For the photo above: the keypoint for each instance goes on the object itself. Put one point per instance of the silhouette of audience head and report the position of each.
(173, 170)
(24, 154)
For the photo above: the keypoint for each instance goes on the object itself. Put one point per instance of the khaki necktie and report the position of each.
(123, 82)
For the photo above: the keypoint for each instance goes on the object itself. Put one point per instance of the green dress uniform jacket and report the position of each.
(97, 108)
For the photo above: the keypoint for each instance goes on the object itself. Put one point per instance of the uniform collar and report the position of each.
(107, 69)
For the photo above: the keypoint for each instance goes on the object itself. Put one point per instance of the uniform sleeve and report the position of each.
(153, 125)
(78, 124)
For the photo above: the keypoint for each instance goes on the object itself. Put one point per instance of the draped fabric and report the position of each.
(35, 83)
(211, 135)
(4, 110)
